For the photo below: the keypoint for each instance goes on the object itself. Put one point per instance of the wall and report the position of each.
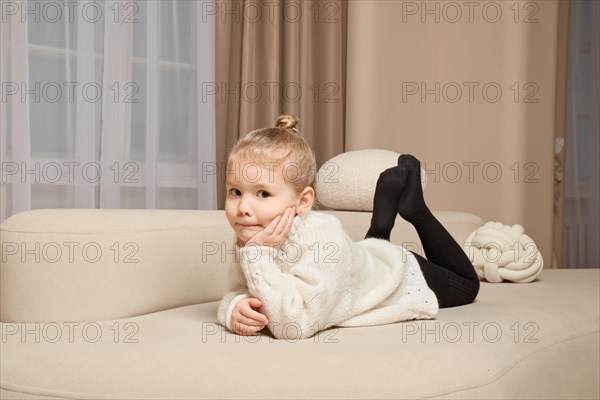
(469, 88)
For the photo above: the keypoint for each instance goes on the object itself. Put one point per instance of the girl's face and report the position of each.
(256, 194)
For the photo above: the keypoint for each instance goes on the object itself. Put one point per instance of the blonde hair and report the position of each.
(282, 144)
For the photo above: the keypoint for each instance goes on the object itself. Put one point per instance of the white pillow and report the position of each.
(347, 181)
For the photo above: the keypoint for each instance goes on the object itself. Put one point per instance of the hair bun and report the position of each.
(287, 121)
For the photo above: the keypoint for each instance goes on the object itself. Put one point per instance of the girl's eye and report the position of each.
(234, 192)
(263, 194)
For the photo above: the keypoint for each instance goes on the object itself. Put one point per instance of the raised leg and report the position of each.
(447, 269)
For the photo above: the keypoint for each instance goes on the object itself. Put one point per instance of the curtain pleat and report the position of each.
(4, 49)
(152, 102)
(582, 144)
(20, 127)
(594, 147)
(207, 168)
(85, 116)
(116, 115)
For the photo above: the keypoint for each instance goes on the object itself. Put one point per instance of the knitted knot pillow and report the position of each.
(347, 181)
(501, 252)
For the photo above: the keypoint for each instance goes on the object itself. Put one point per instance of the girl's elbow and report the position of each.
(291, 331)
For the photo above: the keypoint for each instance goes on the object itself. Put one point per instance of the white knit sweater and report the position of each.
(320, 278)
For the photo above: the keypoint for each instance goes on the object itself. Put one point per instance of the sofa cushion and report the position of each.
(515, 341)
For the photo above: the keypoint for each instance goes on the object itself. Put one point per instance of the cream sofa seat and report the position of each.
(122, 304)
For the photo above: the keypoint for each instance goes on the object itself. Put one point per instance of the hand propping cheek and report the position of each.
(276, 232)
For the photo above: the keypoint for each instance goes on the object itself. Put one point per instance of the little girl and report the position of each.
(297, 272)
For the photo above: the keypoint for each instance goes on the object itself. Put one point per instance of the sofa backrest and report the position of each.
(62, 265)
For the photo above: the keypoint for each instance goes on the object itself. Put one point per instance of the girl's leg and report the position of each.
(385, 204)
(450, 288)
(447, 269)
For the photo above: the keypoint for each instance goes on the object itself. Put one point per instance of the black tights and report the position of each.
(447, 269)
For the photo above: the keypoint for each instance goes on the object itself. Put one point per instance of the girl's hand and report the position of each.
(244, 320)
(276, 232)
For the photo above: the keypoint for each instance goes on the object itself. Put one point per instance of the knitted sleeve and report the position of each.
(310, 295)
(238, 290)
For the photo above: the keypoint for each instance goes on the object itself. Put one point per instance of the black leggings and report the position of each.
(450, 288)
(447, 269)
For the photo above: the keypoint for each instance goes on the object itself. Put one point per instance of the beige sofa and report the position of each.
(121, 304)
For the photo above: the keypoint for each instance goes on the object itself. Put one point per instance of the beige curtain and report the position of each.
(280, 57)
(560, 133)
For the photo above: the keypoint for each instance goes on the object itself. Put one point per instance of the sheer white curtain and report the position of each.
(582, 144)
(103, 107)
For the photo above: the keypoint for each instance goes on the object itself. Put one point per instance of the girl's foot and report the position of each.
(411, 204)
